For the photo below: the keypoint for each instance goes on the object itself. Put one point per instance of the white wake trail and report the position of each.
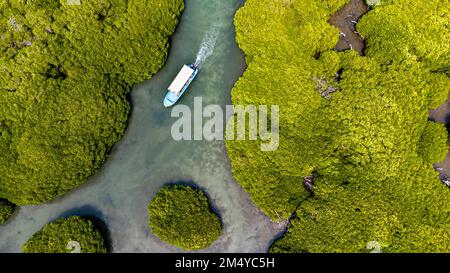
(207, 46)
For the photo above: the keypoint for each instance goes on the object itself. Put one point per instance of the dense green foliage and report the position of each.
(182, 216)
(56, 237)
(65, 72)
(6, 210)
(369, 144)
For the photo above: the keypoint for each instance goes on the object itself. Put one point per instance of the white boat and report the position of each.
(180, 84)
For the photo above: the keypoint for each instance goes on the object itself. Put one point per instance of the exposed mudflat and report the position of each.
(442, 114)
(345, 20)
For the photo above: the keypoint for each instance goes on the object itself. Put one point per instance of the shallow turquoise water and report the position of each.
(147, 157)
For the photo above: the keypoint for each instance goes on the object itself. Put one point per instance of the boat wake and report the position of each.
(207, 46)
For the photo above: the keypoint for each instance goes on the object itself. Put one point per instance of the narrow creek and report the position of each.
(148, 158)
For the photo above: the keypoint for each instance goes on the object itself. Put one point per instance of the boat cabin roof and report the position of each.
(181, 79)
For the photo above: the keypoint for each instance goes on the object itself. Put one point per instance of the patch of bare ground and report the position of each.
(345, 20)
